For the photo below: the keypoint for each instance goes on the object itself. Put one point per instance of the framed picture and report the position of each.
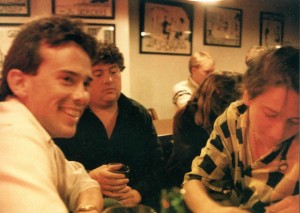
(223, 26)
(271, 29)
(102, 32)
(15, 8)
(166, 28)
(104, 9)
(7, 34)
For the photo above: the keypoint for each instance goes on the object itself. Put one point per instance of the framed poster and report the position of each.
(104, 9)
(223, 26)
(15, 8)
(7, 34)
(271, 29)
(102, 32)
(166, 28)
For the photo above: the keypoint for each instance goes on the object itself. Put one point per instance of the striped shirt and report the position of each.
(225, 164)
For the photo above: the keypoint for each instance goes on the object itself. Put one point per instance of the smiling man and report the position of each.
(115, 128)
(44, 92)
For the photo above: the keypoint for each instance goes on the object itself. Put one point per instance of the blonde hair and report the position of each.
(202, 59)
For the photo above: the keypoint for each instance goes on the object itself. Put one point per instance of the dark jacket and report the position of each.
(189, 139)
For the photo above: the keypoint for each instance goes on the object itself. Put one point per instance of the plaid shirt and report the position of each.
(225, 164)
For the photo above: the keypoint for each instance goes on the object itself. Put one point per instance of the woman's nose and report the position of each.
(278, 130)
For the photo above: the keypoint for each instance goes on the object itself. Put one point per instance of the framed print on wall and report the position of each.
(223, 26)
(166, 27)
(8, 32)
(102, 32)
(271, 29)
(15, 8)
(104, 9)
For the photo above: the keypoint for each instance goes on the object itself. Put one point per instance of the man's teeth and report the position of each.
(73, 113)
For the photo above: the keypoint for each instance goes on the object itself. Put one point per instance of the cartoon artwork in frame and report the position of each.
(166, 27)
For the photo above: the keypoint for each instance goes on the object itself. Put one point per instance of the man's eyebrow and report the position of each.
(70, 72)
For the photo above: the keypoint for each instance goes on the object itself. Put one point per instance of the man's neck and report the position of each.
(108, 116)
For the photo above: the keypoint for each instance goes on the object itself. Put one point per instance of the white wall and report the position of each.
(40, 8)
(149, 78)
(152, 76)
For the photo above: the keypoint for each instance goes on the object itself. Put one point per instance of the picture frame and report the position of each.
(223, 26)
(271, 29)
(96, 9)
(15, 8)
(102, 32)
(8, 33)
(166, 27)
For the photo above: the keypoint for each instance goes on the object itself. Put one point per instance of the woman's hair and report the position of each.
(54, 31)
(202, 59)
(253, 54)
(274, 67)
(214, 96)
(108, 53)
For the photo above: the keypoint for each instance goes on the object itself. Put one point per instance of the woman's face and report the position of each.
(273, 115)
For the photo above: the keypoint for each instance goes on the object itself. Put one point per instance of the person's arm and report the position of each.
(89, 201)
(83, 193)
(198, 200)
(180, 95)
(287, 205)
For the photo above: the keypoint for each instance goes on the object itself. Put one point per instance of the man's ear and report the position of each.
(246, 98)
(16, 80)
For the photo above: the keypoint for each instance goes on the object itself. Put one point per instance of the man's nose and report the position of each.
(81, 96)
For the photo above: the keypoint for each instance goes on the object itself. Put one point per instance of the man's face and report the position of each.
(57, 95)
(105, 89)
(274, 116)
(200, 73)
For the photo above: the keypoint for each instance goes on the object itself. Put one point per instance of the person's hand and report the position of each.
(287, 205)
(109, 182)
(130, 198)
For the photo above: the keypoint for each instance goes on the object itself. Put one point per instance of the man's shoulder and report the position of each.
(180, 85)
(131, 104)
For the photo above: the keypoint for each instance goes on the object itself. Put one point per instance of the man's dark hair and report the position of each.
(25, 54)
(108, 53)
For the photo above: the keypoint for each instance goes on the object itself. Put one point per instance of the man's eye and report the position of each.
(87, 82)
(68, 80)
(294, 121)
(97, 74)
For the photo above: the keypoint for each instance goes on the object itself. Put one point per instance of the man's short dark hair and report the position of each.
(108, 53)
(25, 54)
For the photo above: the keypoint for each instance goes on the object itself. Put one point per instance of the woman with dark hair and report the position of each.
(193, 123)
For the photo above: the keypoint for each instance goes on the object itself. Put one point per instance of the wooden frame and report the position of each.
(104, 9)
(271, 29)
(8, 33)
(15, 8)
(223, 26)
(166, 27)
(102, 32)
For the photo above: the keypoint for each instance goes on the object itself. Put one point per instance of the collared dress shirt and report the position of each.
(183, 91)
(34, 174)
